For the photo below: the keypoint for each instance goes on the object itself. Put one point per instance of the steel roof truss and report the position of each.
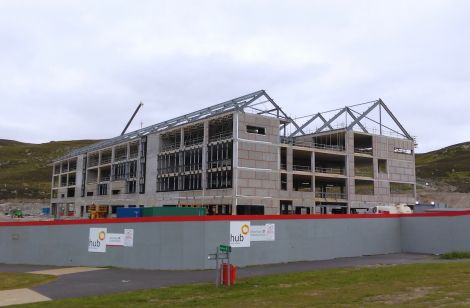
(328, 123)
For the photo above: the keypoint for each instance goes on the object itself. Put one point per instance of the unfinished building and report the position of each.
(246, 156)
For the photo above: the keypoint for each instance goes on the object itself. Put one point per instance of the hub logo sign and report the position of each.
(240, 234)
(97, 240)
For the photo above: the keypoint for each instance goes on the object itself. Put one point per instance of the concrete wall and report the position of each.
(185, 244)
(257, 167)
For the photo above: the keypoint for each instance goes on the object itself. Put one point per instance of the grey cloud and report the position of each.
(77, 69)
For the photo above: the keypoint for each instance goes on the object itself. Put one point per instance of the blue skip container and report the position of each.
(129, 212)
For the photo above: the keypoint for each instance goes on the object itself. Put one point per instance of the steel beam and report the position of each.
(324, 121)
(354, 118)
(395, 119)
(300, 129)
(376, 122)
(328, 123)
(350, 126)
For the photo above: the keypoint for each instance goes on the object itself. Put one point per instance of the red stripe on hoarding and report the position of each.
(226, 218)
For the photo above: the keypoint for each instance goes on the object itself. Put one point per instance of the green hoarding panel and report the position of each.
(173, 211)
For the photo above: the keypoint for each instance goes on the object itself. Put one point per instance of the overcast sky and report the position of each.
(77, 69)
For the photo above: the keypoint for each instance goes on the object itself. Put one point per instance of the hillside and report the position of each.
(25, 170)
(24, 167)
(447, 169)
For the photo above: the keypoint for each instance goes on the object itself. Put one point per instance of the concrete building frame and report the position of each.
(246, 156)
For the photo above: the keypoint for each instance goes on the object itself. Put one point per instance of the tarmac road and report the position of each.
(114, 280)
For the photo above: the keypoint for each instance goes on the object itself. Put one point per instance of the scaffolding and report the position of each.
(221, 128)
(193, 135)
(170, 141)
(120, 152)
(133, 150)
(105, 156)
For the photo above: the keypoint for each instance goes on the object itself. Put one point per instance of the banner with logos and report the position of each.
(262, 233)
(97, 240)
(240, 234)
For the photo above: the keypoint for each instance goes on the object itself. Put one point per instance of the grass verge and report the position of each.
(455, 255)
(417, 285)
(10, 281)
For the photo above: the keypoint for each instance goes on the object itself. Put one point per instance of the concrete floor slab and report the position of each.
(21, 296)
(67, 270)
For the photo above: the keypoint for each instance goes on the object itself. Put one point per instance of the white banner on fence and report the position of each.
(240, 234)
(115, 239)
(261, 233)
(97, 240)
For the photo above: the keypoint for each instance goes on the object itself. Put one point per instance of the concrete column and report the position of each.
(375, 167)
(313, 181)
(181, 137)
(414, 173)
(152, 158)
(312, 159)
(205, 141)
(349, 143)
(235, 163)
(289, 160)
(113, 150)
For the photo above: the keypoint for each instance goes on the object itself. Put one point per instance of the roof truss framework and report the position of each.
(261, 103)
(350, 118)
(258, 102)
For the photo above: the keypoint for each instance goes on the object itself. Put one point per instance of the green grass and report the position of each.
(10, 281)
(455, 255)
(25, 170)
(418, 285)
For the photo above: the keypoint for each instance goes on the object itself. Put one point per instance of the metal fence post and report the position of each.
(217, 274)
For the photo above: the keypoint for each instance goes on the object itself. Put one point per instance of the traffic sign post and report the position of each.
(222, 253)
(225, 248)
(228, 269)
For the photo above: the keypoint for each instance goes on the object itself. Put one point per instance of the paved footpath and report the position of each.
(85, 281)
(26, 296)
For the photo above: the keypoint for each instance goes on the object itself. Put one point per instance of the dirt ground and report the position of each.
(452, 199)
(30, 207)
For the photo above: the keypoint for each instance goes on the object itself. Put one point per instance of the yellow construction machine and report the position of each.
(98, 211)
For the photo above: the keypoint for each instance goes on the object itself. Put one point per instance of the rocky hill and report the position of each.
(25, 170)
(447, 169)
(443, 176)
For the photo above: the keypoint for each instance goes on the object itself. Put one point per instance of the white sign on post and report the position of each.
(240, 234)
(97, 240)
(128, 238)
(270, 232)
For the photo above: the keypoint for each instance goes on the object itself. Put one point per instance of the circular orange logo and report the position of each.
(101, 235)
(245, 229)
